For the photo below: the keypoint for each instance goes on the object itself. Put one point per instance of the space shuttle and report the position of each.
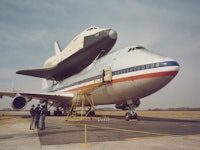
(91, 43)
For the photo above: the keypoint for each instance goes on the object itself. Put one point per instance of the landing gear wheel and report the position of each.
(130, 115)
(134, 116)
(48, 113)
(57, 113)
(127, 116)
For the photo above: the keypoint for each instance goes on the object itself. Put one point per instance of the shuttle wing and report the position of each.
(68, 67)
(64, 69)
(41, 73)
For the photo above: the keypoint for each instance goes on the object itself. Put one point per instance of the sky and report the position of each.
(29, 28)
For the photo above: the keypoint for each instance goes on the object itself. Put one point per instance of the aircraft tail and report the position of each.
(44, 84)
(57, 48)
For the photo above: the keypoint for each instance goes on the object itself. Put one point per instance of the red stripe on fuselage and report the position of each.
(137, 77)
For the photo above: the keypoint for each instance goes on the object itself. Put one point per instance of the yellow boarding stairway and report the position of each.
(79, 102)
(84, 96)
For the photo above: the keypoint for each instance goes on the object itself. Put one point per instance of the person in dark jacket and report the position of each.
(37, 116)
(32, 116)
(42, 116)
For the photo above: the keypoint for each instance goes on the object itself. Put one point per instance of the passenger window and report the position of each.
(157, 65)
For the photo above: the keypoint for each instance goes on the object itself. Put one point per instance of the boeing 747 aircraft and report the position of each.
(121, 77)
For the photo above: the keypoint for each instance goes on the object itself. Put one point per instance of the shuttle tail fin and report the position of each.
(44, 84)
(57, 48)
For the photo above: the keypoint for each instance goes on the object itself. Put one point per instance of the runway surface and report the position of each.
(147, 133)
(99, 130)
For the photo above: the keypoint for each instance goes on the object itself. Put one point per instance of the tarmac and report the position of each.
(17, 136)
(102, 133)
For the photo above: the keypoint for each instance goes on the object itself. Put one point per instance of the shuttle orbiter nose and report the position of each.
(112, 34)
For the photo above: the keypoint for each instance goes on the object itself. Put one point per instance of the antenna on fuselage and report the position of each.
(44, 84)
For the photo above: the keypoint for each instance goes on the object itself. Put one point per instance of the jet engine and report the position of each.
(125, 105)
(19, 103)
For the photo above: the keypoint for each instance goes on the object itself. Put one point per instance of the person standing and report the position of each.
(43, 115)
(32, 116)
(37, 116)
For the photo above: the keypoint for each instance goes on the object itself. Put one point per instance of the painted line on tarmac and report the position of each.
(152, 137)
(124, 130)
(191, 135)
(149, 137)
(134, 131)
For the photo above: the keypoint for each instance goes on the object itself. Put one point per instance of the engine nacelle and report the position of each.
(125, 105)
(19, 103)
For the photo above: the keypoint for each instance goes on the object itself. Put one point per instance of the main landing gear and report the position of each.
(132, 114)
(130, 105)
(58, 111)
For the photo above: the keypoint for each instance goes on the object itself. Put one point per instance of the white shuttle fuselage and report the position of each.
(76, 45)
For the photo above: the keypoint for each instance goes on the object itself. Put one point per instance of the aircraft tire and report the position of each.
(134, 116)
(48, 113)
(57, 113)
(127, 116)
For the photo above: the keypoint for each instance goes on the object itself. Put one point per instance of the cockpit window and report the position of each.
(140, 47)
(135, 48)
(92, 28)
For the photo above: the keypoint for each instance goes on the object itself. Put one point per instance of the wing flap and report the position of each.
(9, 94)
(49, 96)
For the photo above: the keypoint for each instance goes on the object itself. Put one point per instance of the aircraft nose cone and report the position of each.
(112, 34)
(174, 65)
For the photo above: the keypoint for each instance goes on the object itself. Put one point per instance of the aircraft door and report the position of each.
(107, 74)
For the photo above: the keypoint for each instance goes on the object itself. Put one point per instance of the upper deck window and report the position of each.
(135, 48)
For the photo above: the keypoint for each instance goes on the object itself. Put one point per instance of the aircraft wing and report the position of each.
(56, 98)
(63, 99)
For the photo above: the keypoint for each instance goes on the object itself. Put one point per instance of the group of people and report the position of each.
(38, 115)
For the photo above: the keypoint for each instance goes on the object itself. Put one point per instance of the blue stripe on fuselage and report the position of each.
(123, 71)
